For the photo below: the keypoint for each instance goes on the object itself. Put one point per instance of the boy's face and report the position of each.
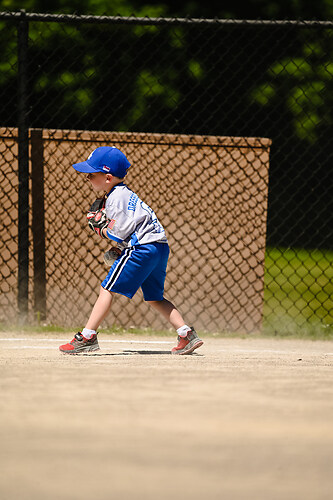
(99, 181)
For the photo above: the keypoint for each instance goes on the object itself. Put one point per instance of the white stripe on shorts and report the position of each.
(118, 268)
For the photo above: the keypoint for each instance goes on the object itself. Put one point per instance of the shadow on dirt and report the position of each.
(129, 352)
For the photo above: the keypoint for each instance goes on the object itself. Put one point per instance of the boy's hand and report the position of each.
(98, 221)
(111, 256)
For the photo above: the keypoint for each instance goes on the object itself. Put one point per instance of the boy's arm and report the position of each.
(106, 234)
(101, 225)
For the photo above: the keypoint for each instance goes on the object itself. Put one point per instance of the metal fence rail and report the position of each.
(233, 78)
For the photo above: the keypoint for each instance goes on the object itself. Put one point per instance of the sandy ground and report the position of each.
(240, 419)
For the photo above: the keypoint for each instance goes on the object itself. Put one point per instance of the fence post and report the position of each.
(38, 222)
(23, 171)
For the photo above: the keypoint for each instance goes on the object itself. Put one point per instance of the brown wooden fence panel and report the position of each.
(209, 192)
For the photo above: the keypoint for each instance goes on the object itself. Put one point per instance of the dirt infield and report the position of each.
(242, 418)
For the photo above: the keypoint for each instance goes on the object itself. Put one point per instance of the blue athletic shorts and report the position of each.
(139, 266)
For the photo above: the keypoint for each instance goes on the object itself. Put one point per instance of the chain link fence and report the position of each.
(161, 80)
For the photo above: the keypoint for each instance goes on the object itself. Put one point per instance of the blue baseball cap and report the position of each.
(106, 159)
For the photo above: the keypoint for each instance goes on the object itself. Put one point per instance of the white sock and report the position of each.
(88, 333)
(183, 330)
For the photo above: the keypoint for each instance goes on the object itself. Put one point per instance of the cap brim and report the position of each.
(84, 167)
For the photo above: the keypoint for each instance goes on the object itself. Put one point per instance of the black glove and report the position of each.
(98, 221)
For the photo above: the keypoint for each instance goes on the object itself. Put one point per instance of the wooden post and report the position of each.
(23, 172)
(38, 222)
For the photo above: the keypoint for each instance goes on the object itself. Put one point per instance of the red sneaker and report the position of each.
(80, 344)
(187, 344)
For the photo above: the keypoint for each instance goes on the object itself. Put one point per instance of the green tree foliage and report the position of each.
(86, 7)
(303, 83)
(251, 9)
(300, 80)
(267, 82)
(68, 63)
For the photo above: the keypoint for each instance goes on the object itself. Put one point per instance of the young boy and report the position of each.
(143, 257)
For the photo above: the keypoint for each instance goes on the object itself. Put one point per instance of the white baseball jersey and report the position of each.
(132, 221)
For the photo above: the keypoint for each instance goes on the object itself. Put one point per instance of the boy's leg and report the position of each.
(188, 339)
(169, 311)
(153, 288)
(100, 309)
(81, 343)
